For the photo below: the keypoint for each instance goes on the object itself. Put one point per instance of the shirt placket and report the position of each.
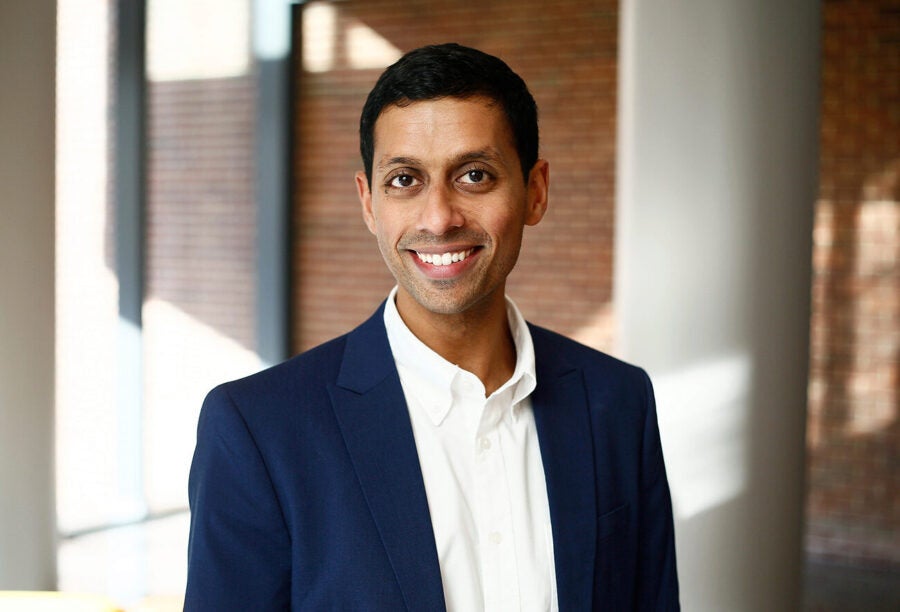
(496, 539)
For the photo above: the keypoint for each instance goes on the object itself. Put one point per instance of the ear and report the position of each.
(537, 192)
(365, 199)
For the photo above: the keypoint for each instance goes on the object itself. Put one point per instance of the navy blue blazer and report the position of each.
(306, 492)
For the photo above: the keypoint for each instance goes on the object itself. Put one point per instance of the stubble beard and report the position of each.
(447, 296)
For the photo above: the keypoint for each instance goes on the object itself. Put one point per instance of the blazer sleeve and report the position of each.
(657, 576)
(239, 546)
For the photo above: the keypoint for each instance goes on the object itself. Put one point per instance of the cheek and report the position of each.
(387, 238)
(392, 223)
(506, 229)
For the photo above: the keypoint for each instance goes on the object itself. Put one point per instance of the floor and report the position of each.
(836, 588)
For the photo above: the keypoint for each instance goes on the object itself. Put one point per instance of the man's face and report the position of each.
(448, 202)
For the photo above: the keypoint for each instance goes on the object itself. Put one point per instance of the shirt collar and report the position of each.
(437, 374)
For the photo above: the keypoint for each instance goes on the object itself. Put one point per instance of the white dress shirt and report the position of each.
(483, 475)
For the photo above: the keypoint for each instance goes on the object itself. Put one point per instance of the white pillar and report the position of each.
(27, 518)
(716, 186)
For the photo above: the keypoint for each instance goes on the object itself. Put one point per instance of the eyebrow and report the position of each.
(488, 154)
(398, 161)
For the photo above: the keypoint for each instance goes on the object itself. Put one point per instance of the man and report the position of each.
(445, 454)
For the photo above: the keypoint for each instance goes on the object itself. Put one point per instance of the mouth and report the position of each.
(444, 259)
(445, 265)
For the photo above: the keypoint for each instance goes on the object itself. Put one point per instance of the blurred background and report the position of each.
(178, 210)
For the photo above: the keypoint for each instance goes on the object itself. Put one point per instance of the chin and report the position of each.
(458, 303)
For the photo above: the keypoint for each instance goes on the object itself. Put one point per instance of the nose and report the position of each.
(439, 214)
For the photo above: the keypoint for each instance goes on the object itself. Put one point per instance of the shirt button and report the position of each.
(495, 537)
(484, 444)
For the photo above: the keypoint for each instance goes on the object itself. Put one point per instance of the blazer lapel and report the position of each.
(564, 433)
(371, 410)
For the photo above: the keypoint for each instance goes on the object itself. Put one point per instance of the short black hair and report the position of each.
(452, 71)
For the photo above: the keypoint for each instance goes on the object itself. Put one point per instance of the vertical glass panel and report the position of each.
(86, 283)
(125, 536)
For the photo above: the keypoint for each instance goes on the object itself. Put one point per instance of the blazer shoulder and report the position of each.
(557, 348)
(305, 377)
(607, 379)
(313, 367)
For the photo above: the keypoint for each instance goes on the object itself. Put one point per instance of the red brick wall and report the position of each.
(201, 210)
(853, 511)
(567, 52)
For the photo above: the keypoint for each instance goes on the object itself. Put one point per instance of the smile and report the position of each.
(444, 259)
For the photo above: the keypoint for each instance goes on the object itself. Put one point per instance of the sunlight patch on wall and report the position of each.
(879, 246)
(319, 36)
(703, 416)
(197, 39)
(326, 41)
(366, 49)
(877, 306)
(183, 358)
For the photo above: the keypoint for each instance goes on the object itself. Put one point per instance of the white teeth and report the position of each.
(444, 259)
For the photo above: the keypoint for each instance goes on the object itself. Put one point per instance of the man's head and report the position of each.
(453, 71)
(447, 189)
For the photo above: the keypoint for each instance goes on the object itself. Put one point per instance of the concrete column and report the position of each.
(27, 519)
(716, 188)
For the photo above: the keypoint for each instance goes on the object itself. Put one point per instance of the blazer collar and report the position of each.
(564, 430)
(371, 411)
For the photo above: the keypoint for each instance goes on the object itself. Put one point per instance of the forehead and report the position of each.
(443, 125)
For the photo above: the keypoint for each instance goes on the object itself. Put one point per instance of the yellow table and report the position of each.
(38, 601)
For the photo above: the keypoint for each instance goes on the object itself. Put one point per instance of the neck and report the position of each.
(477, 340)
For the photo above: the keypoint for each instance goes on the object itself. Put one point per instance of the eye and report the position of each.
(402, 181)
(473, 176)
